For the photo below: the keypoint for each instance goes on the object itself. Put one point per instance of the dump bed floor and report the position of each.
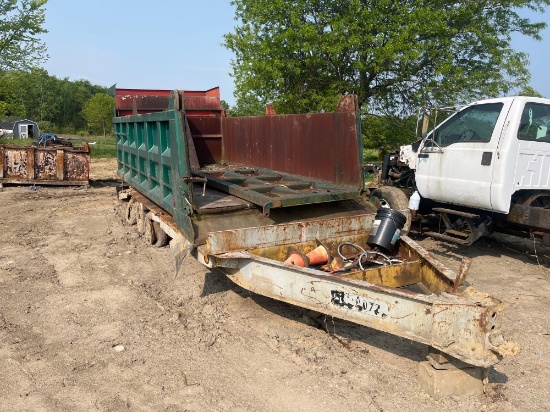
(271, 188)
(207, 200)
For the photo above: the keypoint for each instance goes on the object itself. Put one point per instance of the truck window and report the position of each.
(535, 123)
(473, 124)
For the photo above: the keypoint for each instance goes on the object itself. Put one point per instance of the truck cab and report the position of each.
(485, 153)
(485, 168)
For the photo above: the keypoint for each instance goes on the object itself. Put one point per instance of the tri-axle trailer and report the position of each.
(242, 194)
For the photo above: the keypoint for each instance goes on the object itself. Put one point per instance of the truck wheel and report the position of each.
(546, 239)
(394, 198)
(161, 238)
(129, 214)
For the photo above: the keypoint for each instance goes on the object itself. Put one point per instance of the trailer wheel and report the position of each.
(546, 239)
(393, 198)
(161, 238)
(141, 217)
(129, 214)
(149, 232)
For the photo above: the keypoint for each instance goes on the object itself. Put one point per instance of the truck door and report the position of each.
(455, 162)
(533, 154)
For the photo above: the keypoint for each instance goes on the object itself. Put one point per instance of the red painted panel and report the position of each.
(207, 138)
(195, 102)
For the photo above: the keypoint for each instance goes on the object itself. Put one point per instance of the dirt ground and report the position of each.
(91, 319)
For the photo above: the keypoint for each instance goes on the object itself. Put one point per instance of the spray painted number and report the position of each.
(358, 303)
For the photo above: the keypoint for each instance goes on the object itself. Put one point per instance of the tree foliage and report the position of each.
(529, 91)
(56, 104)
(303, 54)
(385, 133)
(21, 24)
(99, 111)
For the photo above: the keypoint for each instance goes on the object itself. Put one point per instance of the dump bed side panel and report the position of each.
(206, 132)
(153, 158)
(321, 146)
(142, 101)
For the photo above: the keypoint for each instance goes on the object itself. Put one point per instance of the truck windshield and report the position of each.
(535, 123)
(473, 124)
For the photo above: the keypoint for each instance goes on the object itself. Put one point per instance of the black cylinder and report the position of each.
(386, 229)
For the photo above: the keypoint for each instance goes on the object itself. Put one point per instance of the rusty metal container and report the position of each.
(45, 165)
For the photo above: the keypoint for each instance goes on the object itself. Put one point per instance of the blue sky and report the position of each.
(173, 44)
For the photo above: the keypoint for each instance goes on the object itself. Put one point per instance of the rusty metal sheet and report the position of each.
(415, 299)
(465, 325)
(45, 166)
(206, 133)
(261, 237)
(194, 102)
(273, 189)
(536, 218)
(320, 146)
(395, 276)
(272, 241)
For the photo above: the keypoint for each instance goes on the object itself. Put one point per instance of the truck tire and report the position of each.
(546, 239)
(394, 198)
(161, 238)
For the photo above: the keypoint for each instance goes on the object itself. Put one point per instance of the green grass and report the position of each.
(104, 147)
(17, 142)
(100, 147)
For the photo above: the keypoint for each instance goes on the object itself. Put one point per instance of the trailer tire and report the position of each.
(161, 238)
(141, 217)
(149, 232)
(129, 214)
(394, 198)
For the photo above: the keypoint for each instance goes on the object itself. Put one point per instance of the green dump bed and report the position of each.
(191, 159)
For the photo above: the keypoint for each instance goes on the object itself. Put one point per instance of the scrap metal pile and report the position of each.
(352, 256)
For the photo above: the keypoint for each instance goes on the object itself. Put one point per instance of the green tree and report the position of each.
(248, 104)
(21, 24)
(303, 54)
(75, 94)
(529, 91)
(57, 104)
(37, 92)
(386, 133)
(99, 111)
(10, 103)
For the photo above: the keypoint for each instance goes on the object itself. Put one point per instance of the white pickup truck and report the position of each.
(485, 168)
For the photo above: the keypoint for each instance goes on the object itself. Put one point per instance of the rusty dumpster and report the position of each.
(45, 165)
